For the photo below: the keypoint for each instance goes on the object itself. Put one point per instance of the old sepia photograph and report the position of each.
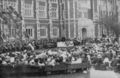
(59, 38)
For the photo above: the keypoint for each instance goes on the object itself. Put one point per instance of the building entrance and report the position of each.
(84, 33)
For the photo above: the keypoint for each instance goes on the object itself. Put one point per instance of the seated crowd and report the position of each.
(103, 51)
(44, 57)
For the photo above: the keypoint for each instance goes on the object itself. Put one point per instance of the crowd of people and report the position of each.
(44, 57)
(104, 51)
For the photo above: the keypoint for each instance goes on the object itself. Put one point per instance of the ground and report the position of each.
(93, 74)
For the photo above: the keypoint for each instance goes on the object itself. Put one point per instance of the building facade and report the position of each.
(41, 18)
(52, 19)
(78, 19)
(103, 9)
(118, 10)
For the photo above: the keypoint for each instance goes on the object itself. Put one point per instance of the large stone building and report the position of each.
(47, 19)
(41, 18)
(83, 17)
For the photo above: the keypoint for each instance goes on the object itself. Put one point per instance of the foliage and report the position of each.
(11, 17)
(110, 22)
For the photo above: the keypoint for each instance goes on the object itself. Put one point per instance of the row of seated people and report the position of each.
(37, 44)
(47, 57)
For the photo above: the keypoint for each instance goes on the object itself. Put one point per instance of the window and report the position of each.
(29, 32)
(55, 32)
(65, 12)
(53, 9)
(28, 9)
(43, 32)
(53, 0)
(42, 9)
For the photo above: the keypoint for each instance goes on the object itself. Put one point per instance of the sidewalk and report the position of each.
(102, 74)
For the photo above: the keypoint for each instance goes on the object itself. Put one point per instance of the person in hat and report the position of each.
(118, 62)
(107, 62)
(99, 59)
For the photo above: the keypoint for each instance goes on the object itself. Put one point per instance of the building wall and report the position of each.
(47, 19)
(77, 10)
(101, 9)
(41, 18)
(118, 10)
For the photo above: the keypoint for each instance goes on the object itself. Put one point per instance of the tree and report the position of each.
(110, 22)
(10, 14)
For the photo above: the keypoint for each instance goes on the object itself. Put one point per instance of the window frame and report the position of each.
(53, 10)
(28, 8)
(43, 11)
(31, 33)
(57, 29)
(46, 30)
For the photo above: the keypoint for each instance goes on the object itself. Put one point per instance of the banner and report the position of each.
(69, 43)
(65, 44)
(61, 44)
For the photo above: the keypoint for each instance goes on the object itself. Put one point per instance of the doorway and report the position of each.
(84, 33)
